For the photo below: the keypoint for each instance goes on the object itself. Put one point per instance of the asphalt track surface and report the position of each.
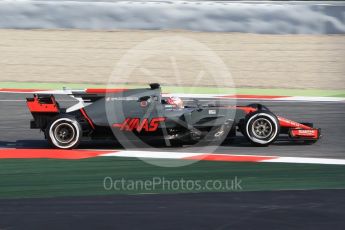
(317, 209)
(329, 116)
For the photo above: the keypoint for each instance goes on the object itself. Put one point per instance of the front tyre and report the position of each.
(261, 128)
(64, 132)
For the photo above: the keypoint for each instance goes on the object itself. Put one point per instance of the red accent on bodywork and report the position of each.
(155, 123)
(131, 124)
(123, 125)
(305, 133)
(247, 109)
(144, 125)
(87, 118)
(291, 124)
(298, 130)
(35, 106)
(104, 91)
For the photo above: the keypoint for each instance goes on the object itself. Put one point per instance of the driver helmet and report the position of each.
(175, 101)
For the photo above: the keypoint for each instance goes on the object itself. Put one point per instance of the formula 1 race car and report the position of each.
(143, 114)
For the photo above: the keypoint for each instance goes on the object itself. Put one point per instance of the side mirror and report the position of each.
(145, 98)
(144, 101)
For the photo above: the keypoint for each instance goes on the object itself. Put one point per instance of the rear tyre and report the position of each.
(64, 132)
(261, 128)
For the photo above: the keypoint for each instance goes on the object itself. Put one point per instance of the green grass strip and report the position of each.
(52, 178)
(175, 89)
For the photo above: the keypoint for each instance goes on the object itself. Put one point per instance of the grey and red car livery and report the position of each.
(144, 114)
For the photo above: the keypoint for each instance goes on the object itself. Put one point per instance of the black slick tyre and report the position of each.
(261, 128)
(64, 132)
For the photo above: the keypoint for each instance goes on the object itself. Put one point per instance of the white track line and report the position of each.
(147, 154)
(223, 157)
(318, 99)
(287, 98)
(307, 160)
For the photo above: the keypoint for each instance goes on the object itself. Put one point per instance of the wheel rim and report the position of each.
(64, 133)
(262, 128)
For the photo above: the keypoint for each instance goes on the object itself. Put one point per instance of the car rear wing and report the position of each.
(43, 104)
